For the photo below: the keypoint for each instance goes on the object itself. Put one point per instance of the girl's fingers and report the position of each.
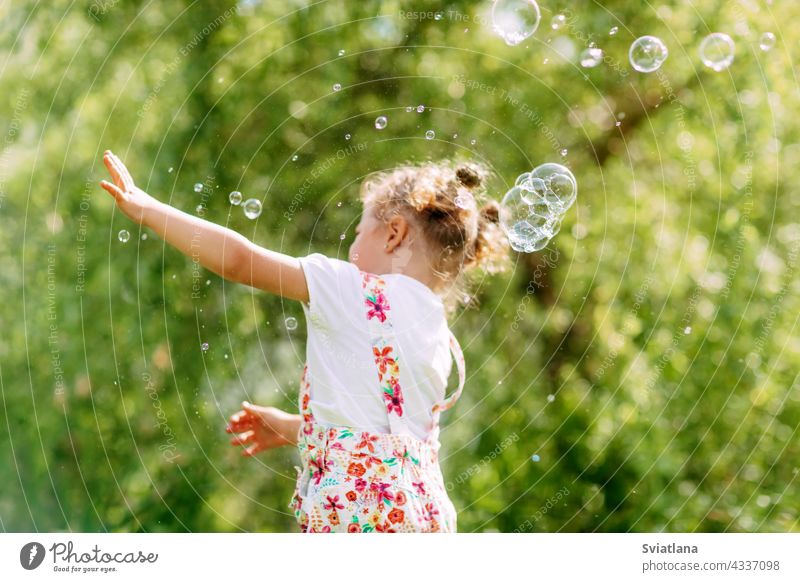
(113, 190)
(123, 170)
(108, 160)
(243, 438)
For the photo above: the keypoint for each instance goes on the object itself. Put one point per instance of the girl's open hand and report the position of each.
(131, 200)
(261, 427)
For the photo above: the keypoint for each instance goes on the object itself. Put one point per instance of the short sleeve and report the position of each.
(332, 288)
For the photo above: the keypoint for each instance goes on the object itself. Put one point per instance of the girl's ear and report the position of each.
(397, 228)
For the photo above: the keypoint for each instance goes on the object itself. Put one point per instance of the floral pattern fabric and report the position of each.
(357, 481)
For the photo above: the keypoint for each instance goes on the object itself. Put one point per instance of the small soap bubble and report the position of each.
(437, 16)
(347, 136)
(381, 122)
(647, 54)
(767, 41)
(409, 109)
(198, 187)
(338, 204)
(295, 157)
(200, 210)
(535, 458)
(473, 141)
(430, 134)
(614, 30)
(716, 51)
(342, 236)
(564, 152)
(515, 20)
(687, 330)
(591, 57)
(551, 397)
(455, 135)
(235, 197)
(291, 323)
(341, 52)
(252, 208)
(420, 108)
(208, 282)
(170, 170)
(144, 236)
(204, 346)
(124, 236)
(558, 21)
(337, 87)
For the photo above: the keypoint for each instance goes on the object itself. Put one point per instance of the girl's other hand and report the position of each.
(261, 427)
(132, 201)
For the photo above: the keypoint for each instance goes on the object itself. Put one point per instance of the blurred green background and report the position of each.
(649, 356)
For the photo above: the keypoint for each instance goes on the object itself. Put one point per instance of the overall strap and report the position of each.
(458, 356)
(384, 351)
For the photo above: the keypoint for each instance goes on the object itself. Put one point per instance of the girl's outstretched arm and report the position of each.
(221, 250)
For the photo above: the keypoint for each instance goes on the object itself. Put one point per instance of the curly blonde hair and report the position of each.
(442, 199)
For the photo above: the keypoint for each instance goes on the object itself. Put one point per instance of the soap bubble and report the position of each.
(341, 52)
(235, 197)
(437, 16)
(558, 21)
(551, 397)
(515, 20)
(200, 210)
(204, 346)
(347, 136)
(198, 187)
(767, 41)
(291, 323)
(647, 54)
(562, 188)
(381, 122)
(420, 108)
(252, 208)
(124, 236)
(591, 57)
(337, 87)
(430, 134)
(614, 30)
(295, 157)
(409, 109)
(535, 458)
(716, 51)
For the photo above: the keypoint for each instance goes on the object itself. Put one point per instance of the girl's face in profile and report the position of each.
(366, 252)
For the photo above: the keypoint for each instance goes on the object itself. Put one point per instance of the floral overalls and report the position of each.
(358, 481)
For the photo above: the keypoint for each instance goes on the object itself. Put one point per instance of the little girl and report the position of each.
(379, 347)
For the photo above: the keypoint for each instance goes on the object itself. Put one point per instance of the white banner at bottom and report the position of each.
(618, 557)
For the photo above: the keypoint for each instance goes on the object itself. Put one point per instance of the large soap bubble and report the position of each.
(531, 211)
(647, 54)
(515, 20)
(716, 51)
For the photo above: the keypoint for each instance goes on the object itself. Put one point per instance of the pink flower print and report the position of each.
(381, 490)
(420, 487)
(332, 503)
(377, 306)
(366, 441)
(431, 511)
(372, 460)
(361, 484)
(393, 398)
(319, 466)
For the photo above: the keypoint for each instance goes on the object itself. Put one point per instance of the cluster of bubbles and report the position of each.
(515, 20)
(531, 211)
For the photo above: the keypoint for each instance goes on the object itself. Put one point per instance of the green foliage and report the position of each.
(662, 319)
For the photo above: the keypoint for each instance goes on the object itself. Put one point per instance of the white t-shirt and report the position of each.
(341, 367)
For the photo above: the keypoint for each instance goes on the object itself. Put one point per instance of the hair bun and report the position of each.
(468, 176)
(490, 212)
